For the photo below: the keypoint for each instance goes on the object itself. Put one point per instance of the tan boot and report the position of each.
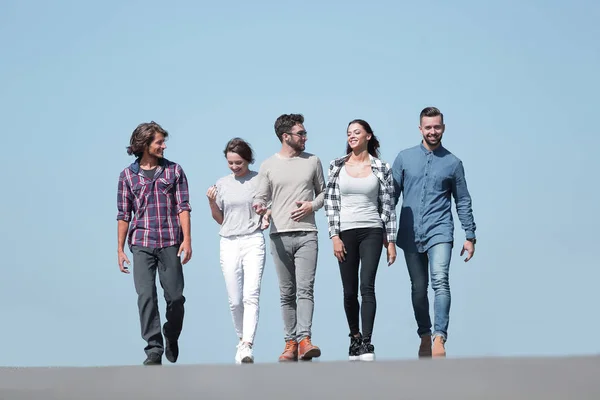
(307, 350)
(438, 347)
(290, 353)
(425, 347)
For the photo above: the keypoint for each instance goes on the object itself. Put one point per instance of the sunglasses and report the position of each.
(301, 133)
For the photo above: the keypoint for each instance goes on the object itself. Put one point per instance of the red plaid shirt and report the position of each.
(155, 204)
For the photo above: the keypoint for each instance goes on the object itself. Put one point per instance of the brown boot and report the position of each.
(425, 347)
(290, 353)
(307, 351)
(438, 347)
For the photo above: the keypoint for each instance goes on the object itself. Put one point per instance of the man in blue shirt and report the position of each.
(428, 176)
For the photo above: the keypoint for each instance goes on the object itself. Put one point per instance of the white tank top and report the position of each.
(359, 201)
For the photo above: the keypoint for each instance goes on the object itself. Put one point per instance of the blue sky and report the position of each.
(516, 80)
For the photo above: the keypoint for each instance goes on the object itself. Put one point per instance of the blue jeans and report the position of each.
(436, 260)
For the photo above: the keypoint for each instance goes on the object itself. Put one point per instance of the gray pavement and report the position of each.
(573, 378)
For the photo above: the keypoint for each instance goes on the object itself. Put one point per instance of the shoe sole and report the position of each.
(367, 357)
(354, 358)
(247, 360)
(309, 355)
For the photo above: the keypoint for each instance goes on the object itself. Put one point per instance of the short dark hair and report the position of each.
(286, 122)
(142, 137)
(373, 146)
(241, 147)
(430, 112)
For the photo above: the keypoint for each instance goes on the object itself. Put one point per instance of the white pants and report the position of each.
(242, 263)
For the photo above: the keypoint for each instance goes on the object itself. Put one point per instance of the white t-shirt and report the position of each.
(234, 197)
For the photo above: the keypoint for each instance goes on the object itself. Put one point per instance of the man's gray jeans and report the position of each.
(146, 261)
(295, 257)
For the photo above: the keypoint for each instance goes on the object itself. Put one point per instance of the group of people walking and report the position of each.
(359, 197)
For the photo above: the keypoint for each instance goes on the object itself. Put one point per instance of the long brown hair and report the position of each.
(143, 136)
(373, 144)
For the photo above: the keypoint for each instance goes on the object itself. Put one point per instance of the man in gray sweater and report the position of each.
(293, 181)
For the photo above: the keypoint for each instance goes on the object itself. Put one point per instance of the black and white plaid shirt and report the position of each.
(385, 203)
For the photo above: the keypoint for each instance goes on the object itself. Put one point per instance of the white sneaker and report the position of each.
(245, 353)
(238, 359)
(367, 352)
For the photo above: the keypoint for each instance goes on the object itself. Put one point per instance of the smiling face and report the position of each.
(358, 138)
(296, 138)
(432, 129)
(237, 164)
(156, 148)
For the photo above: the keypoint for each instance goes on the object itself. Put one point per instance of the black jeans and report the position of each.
(364, 247)
(170, 272)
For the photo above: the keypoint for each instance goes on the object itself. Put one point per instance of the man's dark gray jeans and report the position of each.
(146, 261)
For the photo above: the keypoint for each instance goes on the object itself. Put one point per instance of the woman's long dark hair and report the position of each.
(373, 144)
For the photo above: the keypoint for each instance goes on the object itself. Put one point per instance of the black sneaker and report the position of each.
(153, 359)
(171, 350)
(367, 351)
(355, 348)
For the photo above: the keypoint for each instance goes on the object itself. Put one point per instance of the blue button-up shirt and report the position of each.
(428, 180)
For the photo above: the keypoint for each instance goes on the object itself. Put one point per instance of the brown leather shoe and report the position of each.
(425, 347)
(290, 353)
(307, 351)
(438, 347)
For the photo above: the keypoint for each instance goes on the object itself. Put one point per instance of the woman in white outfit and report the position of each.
(242, 245)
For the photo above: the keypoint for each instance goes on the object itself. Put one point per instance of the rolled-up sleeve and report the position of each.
(331, 201)
(124, 200)
(182, 195)
(390, 204)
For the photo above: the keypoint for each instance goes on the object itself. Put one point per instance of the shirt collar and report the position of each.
(135, 166)
(436, 151)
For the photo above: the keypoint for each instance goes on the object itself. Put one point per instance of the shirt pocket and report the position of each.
(165, 185)
(442, 181)
(138, 189)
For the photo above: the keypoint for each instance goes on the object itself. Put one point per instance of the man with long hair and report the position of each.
(154, 215)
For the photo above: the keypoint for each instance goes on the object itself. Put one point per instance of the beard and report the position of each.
(433, 142)
(297, 146)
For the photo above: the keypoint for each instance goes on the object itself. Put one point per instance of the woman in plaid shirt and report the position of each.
(360, 210)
